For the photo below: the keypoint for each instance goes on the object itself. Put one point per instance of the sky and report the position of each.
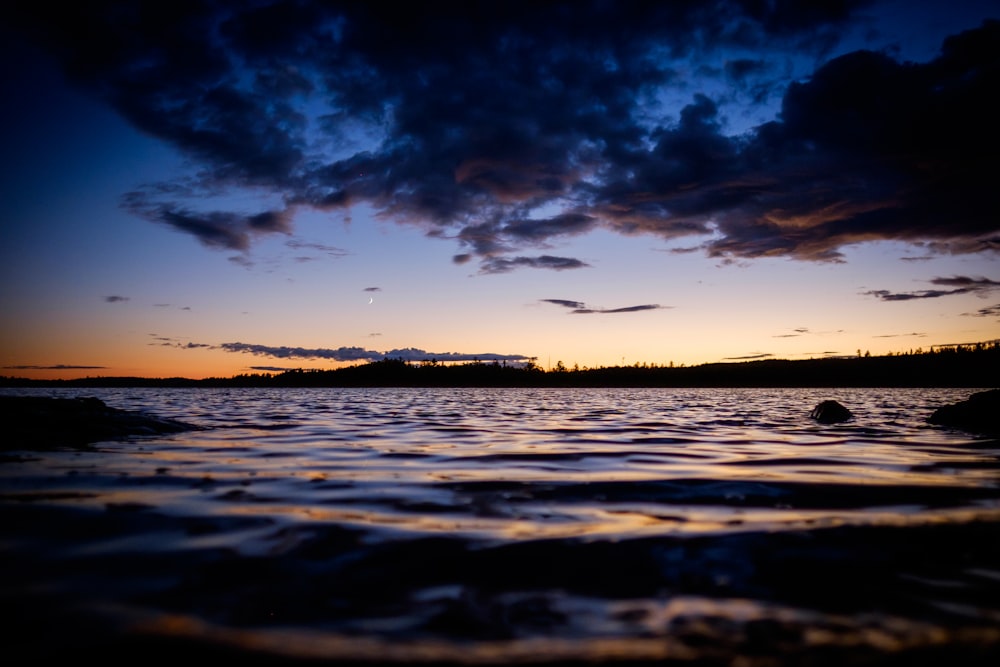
(205, 189)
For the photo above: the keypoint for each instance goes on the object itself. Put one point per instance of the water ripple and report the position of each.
(478, 515)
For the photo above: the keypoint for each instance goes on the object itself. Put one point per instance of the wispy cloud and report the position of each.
(989, 311)
(54, 367)
(505, 264)
(372, 289)
(794, 334)
(322, 248)
(750, 357)
(114, 298)
(959, 285)
(805, 331)
(167, 341)
(580, 308)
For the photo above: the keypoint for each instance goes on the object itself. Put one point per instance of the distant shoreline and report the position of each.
(974, 366)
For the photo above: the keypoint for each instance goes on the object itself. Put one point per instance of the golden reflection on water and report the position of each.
(681, 628)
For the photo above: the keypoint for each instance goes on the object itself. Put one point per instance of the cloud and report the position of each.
(960, 285)
(800, 331)
(214, 229)
(328, 250)
(750, 357)
(989, 311)
(361, 354)
(114, 298)
(56, 367)
(903, 335)
(566, 303)
(166, 341)
(542, 230)
(971, 284)
(372, 289)
(504, 126)
(504, 265)
(580, 308)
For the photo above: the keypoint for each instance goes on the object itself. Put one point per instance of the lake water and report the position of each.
(491, 526)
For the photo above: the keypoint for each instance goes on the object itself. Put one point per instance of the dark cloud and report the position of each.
(328, 250)
(959, 284)
(215, 229)
(114, 298)
(903, 335)
(971, 284)
(625, 309)
(539, 230)
(504, 265)
(167, 342)
(795, 333)
(989, 311)
(514, 124)
(372, 289)
(284, 352)
(566, 303)
(750, 357)
(414, 354)
(56, 367)
(361, 354)
(580, 308)
(886, 295)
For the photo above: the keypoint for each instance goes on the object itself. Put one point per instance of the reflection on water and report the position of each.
(477, 525)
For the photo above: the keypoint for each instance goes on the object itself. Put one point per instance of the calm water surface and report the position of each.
(501, 525)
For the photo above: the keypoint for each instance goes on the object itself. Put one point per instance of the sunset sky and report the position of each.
(205, 189)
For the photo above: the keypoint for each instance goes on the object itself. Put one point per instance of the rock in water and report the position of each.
(980, 413)
(40, 422)
(830, 412)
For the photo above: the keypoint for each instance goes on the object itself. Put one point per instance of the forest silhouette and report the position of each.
(971, 365)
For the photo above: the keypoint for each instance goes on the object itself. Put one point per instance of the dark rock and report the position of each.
(830, 412)
(980, 413)
(40, 422)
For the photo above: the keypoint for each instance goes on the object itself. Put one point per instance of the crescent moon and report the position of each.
(371, 300)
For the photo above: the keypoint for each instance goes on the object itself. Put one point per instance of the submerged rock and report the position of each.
(980, 413)
(40, 422)
(830, 412)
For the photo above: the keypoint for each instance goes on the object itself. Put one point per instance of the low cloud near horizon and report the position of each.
(53, 367)
(361, 354)
(510, 126)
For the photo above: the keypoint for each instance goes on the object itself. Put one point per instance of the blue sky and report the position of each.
(204, 189)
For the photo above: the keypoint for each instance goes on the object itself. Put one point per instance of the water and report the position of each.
(512, 525)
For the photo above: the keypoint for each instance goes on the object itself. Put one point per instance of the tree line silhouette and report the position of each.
(971, 365)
